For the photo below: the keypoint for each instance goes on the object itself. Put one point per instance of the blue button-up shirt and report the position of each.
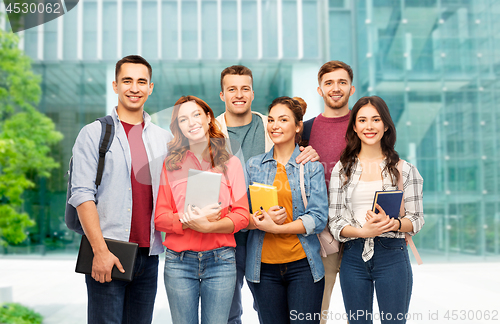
(114, 195)
(262, 169)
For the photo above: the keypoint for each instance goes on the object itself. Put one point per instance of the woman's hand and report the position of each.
(212, 212)
(278, 214)
(264, 222)
(376, 217)
(196, 220)
(377, 224)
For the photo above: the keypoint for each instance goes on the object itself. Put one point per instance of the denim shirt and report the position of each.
(114, 195)
(262, 169)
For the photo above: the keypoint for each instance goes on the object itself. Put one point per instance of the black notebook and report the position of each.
(390, 201)
(124, 251)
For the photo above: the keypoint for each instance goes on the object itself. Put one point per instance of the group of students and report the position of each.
(209, 250)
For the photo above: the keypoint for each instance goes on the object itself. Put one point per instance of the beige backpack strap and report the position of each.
(302, 189)
(402, 213)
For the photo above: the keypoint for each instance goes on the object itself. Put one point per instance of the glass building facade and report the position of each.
(435, 63)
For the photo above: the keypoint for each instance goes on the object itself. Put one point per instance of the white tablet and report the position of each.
(203, 188)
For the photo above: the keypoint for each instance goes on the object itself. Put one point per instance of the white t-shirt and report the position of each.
(362, 198)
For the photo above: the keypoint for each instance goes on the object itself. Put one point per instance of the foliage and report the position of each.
(19, 86)
(13, 313)
(25, 138)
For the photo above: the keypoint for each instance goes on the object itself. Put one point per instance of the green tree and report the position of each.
(13, 313)
(25, 138)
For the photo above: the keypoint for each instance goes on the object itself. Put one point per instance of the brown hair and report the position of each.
(296, 109)
(332, 66)
(302, 103)
(351, 151)
(134, 59)
(234, 70)
(215, 152)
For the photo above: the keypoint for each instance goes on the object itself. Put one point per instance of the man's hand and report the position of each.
(103, 264)
(104, 260)
(278, 214)
(307, 154)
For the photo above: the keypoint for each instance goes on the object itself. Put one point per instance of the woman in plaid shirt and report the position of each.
(375, 254)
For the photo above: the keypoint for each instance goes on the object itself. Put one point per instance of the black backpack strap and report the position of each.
(306, 132)
(107, 135)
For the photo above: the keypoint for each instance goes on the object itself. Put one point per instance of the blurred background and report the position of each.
(435, 62)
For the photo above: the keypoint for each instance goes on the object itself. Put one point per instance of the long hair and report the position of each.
(215, 152)
(351, 151)
(296, 108)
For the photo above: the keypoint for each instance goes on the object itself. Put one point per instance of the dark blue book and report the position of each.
(390, 201)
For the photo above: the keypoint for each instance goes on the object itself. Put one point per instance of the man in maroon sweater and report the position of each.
(327, 137)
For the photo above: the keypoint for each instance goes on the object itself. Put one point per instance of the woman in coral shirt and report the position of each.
(200, 256)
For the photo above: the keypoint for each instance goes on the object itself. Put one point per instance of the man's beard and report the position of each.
(337, 104)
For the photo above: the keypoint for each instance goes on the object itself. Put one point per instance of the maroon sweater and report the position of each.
(328, 139)
(142, 191)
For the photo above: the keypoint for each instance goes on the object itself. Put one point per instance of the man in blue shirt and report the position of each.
(122, 207)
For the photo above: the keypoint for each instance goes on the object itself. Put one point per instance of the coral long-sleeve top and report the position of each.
(170, 206)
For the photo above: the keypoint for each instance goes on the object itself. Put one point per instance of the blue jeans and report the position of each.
(236, 306)
(287, 293)
(190, 275)
(121, 302)
(388, 271)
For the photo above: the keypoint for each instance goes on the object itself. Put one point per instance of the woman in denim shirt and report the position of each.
(283, 260)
